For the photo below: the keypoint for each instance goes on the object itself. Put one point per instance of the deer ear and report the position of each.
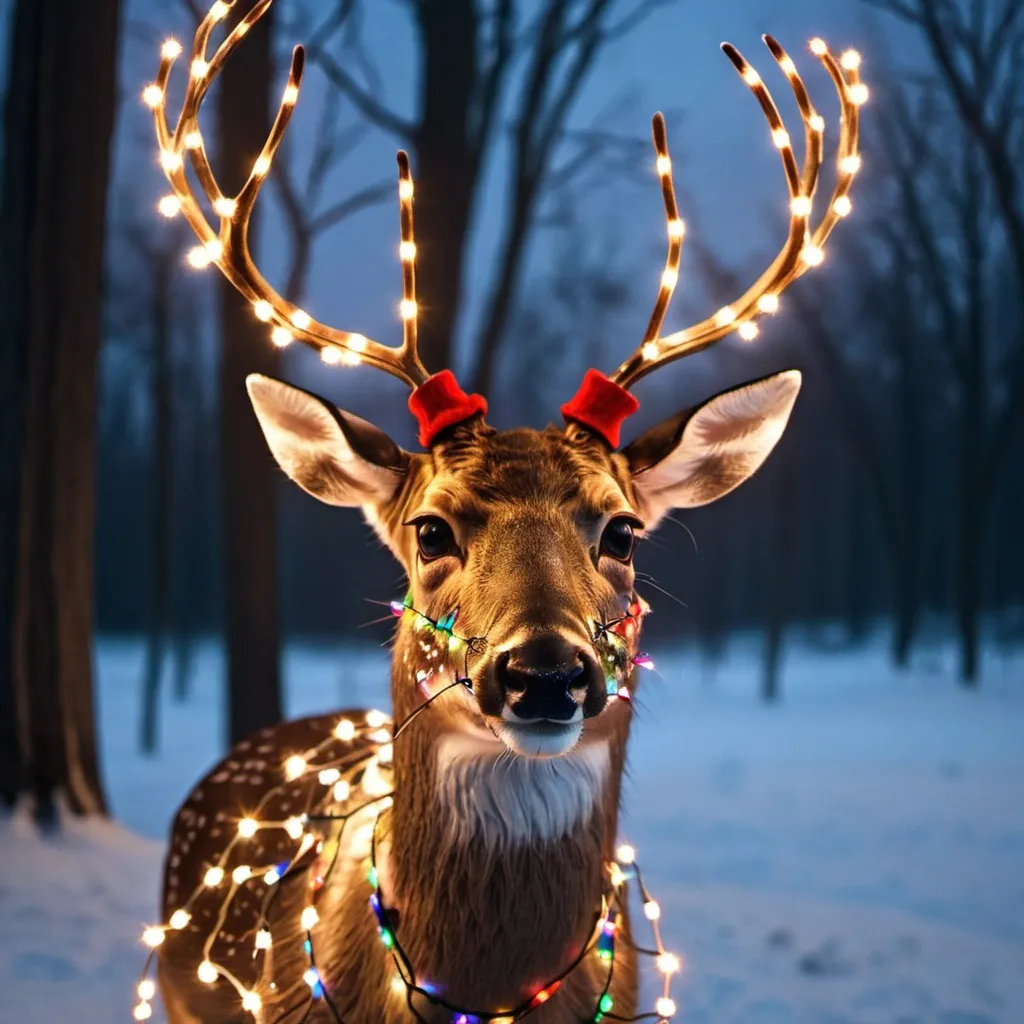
(331, 454)
(702, 454)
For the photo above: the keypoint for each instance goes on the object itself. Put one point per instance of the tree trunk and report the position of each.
(161, 500)
(59, 121)
(249, 487)
(778, 587)
(446, 170)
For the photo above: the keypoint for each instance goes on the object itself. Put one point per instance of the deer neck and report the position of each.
(495, 865)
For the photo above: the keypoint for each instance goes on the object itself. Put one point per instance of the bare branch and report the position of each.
(372, 195)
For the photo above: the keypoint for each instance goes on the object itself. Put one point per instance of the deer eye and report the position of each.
(435, 538)
(619, 538)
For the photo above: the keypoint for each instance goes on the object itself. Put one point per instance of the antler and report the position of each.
(228, 245)
(803, 246)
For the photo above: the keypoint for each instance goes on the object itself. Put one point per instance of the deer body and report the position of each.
(496, 890)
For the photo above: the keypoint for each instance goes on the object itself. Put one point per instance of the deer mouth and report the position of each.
(540, 738)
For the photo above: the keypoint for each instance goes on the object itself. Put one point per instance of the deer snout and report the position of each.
(549, 678)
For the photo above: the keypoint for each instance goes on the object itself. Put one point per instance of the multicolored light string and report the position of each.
(343, 779)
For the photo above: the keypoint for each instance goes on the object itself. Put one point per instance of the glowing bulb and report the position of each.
(625, 854)
(407, 251)
(800, 206)
(264, 311)
(225, 207)
(725, 316)
(748, 330)
(263, 939)
(664, 165)
(330, 355)
(153, 937)
(676, 228)
(291, 95)
(859, 93)
(812, 255)
(668, 963)
(247, 828)
(179, 919)
(665, 1007)
(850, 164)
(787, 65)
(386, 753)
(262, 166)
(252, 1002)
(342, 790)
(214, 249)
(329, 776)
(272, 877)
(169, 206)
(345, 730)
(375, 719)
(199, 68)
(652, 911)
(842, 206)
(219, 11)
(649, 350)
(213, 877)
(170, 161)
(309, 919)
(768, 303)
(669, 278)
(193, 140)
(143, 1011)
(198, 258)
(817, 123)
(294, 828)
(152, 96)
(850, 60)
(780, 137)
(171, 50)
(818, 47)
(407, 308)
(241, 874)
(311, 977)
(301, 319)
(281, 337)
(405, 189)
(751, 77)
(146, 989)
(357, 342)
(207, 972)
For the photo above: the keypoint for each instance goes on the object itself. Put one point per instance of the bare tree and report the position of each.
(469, 51)
(58, 123)
(975, 49)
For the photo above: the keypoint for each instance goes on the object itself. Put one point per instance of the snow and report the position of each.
(853, 855)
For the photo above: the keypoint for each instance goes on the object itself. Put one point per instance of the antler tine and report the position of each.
(803, 246)
(676, 231)
(407, 254)
(228, 245)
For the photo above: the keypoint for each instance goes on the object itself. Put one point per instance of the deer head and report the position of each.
(528, 534)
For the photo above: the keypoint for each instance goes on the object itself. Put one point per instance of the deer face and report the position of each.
(529, 534)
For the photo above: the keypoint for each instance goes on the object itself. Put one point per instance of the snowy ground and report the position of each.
(855, 855)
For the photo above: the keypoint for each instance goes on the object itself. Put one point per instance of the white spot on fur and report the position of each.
(512, 800)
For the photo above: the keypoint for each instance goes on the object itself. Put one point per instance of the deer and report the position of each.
(459, 860)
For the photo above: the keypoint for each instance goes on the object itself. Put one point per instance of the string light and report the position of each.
(153, 937)
(252, 1002)
(345, 730)
(170, 161)
(625, 854)
(842, 206)
(179, 920)
(818, 47)
(780, 137)
(146, 989)
(407, 252)
(241, 874)
(725, 316)
(152, 96)
(294, 828)
(263, 938)
(263, 310)
(812, 255)
(342, 790)
(787, 65)
(199, 68)
(801, 206)
(663, 165)
(143, 1011)
(665, 1007)
(669, 278)
(676, 228)
(309, 918)
(751, 76)
(850, 164)
(207, 973)
(668, 963)
(219, 11)
(649, 350)
(199, 257)
(262, 165)
(768, 303)
(375, 719)
(301, 319)
(248, 827)
(859, 93)
(169, 206)
(816, 122)
(171, 50)
(281, 337)
(407, 308)
(213, 877)
(193, 140)
(330, 355)
(748, 330)
(358, 342)
(652, 911)
(291, 96)
(850, 60)
(405, 189)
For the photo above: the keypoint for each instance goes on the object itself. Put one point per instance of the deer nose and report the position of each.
(538, 679)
